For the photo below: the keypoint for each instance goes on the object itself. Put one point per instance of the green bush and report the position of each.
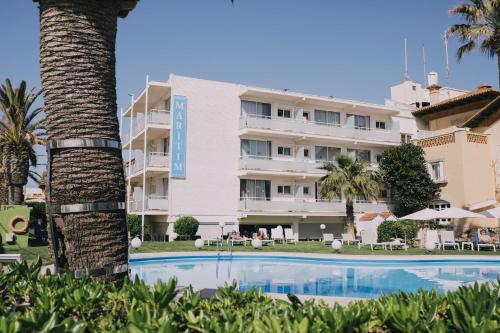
(186, 227)
(37, 211)
(134, 225)
(59, 303)
(405, 229)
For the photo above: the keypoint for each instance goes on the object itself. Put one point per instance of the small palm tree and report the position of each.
(21, 128)
(349, 179)
(482, 28)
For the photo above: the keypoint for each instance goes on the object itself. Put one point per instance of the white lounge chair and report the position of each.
(448, 239)
(398, 244)
(369, 238)
(277, 235)
(431, 236)
(484, 245)
(291, 237)
(349, 238)
(328, 238)
(266, 240)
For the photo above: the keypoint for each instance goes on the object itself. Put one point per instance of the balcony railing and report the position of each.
(305, 205)
(152, 202)
(302, 126)
(155, 159)
(292, 205)
(270, 164)
(155, 117)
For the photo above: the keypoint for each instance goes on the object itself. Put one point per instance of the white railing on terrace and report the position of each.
(424, 134)
(158, 159)
(153, 202)
(271, 164)
(155, 117)
(317, 128)
(260, 204)
(289, 205)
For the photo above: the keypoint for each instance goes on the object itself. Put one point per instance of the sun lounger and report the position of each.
(349, 238)
(480, 245)
(448, 239)
(213, 240)
(277, 235)
(397, 245)
(327, 239)
(291, 237)
(368, 238)
(432, 236)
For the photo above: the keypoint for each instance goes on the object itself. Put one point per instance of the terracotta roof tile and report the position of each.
(368, 216)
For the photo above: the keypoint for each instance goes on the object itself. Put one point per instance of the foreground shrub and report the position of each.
(62, 304)
(186, 227)
(404, 229)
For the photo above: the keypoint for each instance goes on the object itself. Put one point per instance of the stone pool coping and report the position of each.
(454, 257)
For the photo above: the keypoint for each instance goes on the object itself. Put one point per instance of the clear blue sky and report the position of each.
(350, 49)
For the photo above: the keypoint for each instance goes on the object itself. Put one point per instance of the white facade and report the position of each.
(252, 155)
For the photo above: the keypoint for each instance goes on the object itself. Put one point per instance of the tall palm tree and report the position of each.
(482, 28)
(77, 64)
(349, 179)
(20, 130)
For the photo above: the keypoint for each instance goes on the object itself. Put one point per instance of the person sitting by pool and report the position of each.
(236, 235)
(261, 235)
(484, 238)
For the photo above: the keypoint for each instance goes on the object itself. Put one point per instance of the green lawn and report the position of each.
(309, 247)
(41, 250)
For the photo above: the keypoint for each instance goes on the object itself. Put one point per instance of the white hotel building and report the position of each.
(246, 156)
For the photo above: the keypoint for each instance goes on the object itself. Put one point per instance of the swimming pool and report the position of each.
(316, 276)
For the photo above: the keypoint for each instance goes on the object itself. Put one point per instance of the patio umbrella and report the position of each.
(492, 213)
(457, 213)
(423, 215)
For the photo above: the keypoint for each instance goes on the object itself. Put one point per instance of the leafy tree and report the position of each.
(21, 128)
(482, 28)
(186, 227)
(349, 179)
(405, 175)
(134, 225)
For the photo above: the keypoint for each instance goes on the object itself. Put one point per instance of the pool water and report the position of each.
(319, 277)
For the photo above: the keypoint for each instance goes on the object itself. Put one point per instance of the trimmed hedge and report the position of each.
(30, 302)
(186, 227)
(388, 230)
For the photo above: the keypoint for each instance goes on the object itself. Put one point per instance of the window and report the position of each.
(284, 151)
(362, 155)
(166, 145)
(165, 186)
(283, 113)
(255, 189)
(360, 122)
(436, 170)
(284, 189)
(329, 154)
(306, 152)
(384, 194)
(305, 114)
(380, 124)
(405, 138)
(305, 190)
(256, 109)
(379, 158)
(166, 104)
(255, 148)
(414, 88)
(327, 117)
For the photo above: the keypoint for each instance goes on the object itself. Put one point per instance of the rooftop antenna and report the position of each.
(423, 61)
(447, 67)
(407, 77)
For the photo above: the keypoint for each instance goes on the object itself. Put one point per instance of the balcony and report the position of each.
(155, 117)
(301, 127)
(304, 206)
(275, 165)
(154, 160)
(291, 206)
(153, 202)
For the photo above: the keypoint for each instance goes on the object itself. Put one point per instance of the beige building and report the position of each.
(461, 140)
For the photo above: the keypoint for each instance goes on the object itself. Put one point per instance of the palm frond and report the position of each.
(466, 48)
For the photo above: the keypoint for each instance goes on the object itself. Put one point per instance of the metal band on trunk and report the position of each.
(86, 207)
(83, 143)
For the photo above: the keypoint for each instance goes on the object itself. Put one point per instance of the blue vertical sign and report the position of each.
(178, 160)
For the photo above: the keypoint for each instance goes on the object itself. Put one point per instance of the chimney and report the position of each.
(434, 87)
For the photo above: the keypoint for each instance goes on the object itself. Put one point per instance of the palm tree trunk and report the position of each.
(77, 57)
(349, 217)
(16, 168)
